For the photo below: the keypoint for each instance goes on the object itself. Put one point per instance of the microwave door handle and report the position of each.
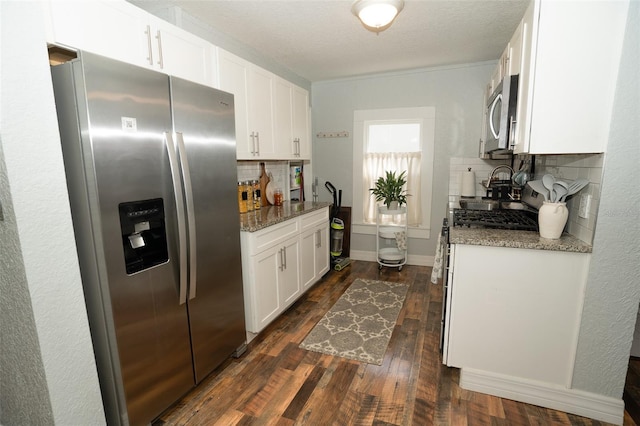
(491, 112)
(182, 227)
(512, 132)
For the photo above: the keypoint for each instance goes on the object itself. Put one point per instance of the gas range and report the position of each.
(496, 219)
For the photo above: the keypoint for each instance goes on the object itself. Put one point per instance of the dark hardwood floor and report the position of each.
(277, 383)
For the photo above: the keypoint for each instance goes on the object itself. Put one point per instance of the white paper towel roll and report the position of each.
(468, 184)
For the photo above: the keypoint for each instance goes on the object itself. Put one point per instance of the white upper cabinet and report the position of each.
(252, 88)
(233, 79)
(122, 31)
(291, 115)
(570, 59)
(260, 99)
(514, 50)
(301, 127)
(282, 115)
(272, 115)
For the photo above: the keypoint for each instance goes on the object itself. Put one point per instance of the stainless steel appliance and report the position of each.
(151, 172)
(500, 115)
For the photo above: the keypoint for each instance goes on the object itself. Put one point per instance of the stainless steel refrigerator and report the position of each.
(151, 172)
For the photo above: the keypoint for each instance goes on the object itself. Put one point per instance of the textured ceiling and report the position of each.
(320, 40)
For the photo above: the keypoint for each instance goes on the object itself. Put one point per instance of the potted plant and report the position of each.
(389, 189)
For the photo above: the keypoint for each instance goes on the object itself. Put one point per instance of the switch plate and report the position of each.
(585, 205)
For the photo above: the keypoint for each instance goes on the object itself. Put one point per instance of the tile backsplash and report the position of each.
(250, 170)
(482, 169)
(570, 167)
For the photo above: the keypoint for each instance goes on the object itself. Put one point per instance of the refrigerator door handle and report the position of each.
(191, 218)
(182, 226)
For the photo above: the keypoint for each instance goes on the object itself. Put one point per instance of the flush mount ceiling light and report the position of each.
(377, 15)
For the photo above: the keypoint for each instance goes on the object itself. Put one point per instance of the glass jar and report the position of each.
(249, 188)
(257, 198)
(278, 197)
(242, 197)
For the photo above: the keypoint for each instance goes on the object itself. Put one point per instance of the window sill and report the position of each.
(370, 229)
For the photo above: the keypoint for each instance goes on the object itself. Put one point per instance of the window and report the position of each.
(399, 140)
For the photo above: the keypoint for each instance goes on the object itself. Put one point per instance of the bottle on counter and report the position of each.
(257, 199)
(242, 197)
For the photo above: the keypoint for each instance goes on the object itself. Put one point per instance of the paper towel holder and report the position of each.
(467, 189)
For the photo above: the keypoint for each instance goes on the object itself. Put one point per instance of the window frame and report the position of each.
(426, 116)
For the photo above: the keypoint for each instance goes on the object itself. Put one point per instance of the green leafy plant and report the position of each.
(389, 188)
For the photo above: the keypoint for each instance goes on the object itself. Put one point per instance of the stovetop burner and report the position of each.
(496, 219)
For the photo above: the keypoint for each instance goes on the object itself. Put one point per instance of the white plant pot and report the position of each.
(393, 205)
(552, 217)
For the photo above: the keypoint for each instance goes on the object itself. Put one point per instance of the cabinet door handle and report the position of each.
(149, 49)
(253, 143)
(160, 59)
(281, 267)
(284, 250)
(257, 143)
(319, 239)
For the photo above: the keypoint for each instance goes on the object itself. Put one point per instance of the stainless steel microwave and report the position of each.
(500, 115)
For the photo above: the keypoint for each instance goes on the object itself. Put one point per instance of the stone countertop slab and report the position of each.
(270, 215)
(515, 239)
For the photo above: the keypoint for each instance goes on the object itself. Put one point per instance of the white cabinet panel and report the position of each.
(265, 303)
(301, 132)
(571, 54)
(280, 262)
(273, 114)
(314, 259)
(234, 79)
(182, 54)
(282, 116)
(308, 257)
(520, 319)
(289, 281)
(260, 97)
(122, 31)
(321, 251)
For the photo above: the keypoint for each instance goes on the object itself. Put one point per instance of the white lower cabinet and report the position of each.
(314, 242)
(516, 312)
(280, 262)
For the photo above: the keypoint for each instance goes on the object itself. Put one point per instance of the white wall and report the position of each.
(613, 286)
(456, 92)
(47, 369)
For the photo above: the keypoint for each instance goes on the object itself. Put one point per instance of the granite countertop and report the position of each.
(270, 215)
(515, 239)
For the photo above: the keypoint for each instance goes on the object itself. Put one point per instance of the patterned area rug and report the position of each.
(360, 324)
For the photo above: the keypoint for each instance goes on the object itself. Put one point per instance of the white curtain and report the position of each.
(376, 165)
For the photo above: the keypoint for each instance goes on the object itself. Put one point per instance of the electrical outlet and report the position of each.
(585, 205)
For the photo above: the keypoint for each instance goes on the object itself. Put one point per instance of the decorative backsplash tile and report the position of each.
(482, 169)
(250, 170)
(570, 167)
(588, 166)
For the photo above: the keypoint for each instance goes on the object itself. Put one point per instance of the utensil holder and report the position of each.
(552, 217)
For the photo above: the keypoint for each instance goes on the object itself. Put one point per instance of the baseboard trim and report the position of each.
(586, 404)
(371, 256)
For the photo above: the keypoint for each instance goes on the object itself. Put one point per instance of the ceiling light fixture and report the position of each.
(377, 15)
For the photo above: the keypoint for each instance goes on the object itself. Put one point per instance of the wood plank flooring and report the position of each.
(277, 383)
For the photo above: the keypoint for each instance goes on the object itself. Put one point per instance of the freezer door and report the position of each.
(205, 138)
(124, 113)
